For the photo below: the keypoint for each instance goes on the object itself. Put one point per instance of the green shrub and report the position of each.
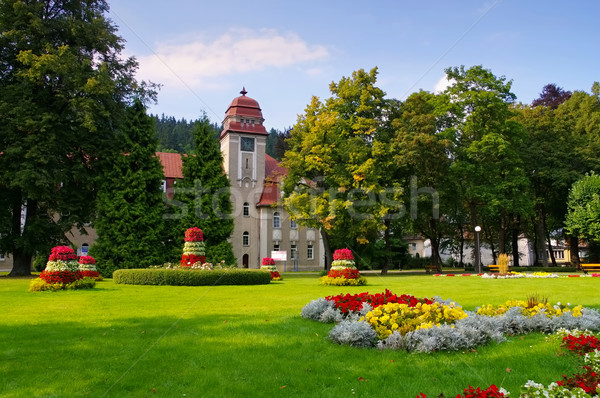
(184, 277)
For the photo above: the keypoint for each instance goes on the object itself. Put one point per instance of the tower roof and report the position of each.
(239, 110)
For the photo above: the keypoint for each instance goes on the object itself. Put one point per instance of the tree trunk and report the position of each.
(551, 251)
(502, 236)
(21, 259)
(21, 264)
(541, 233)
(461, 261)
(388, 253)
(327, 249)
(574, 247)
(435, 253)
(515, 241)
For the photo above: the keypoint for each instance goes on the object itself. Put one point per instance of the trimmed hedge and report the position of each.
(184, 277)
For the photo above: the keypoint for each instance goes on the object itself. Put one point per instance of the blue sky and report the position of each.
(203, 53)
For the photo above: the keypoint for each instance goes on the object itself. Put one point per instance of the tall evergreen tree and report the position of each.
(130, 208)
(63, 89)
(203, 198)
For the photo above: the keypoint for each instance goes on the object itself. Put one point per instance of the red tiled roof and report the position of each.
(270, 194)
(273, 171)
(172, 164)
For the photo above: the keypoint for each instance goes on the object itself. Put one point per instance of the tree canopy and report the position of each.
(63, 90)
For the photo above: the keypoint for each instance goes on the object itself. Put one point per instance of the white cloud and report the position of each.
(200, 63)
(442, 84)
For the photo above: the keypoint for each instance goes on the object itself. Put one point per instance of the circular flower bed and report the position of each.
(405, 322)
(268, 264)
(193, 248)
(343, 270)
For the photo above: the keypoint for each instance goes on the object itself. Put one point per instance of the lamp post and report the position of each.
(477, 250)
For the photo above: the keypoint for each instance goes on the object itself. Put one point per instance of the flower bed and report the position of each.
(61, 272)
(194, 250)
(268, 264)
(343, 270)
(87, 268)
(425, 325)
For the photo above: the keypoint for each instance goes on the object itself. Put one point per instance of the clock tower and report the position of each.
(243, 142)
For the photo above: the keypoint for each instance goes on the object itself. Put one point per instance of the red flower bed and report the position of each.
(187, 260)
(87, 260)
(268, 261)
(350, 303)
(343, 254)
(275, 275)
(347, 273)
(471, 392)
(60, 276)
(581, 345)
(89, 274)
(64, 253)
(588, 381)
(194, 235)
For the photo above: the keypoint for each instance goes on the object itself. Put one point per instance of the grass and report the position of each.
(239, 341)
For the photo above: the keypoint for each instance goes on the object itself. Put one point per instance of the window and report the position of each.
(310, 252)
(2, 258)
(293, 224)
(247, 144)
(293, 251)
(246, 209)
(276, 247)
(163, 185)
(276, 220)
(245, 239)
(85, 248)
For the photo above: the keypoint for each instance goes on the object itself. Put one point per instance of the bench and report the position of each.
(495, 268)
(590, 267)
(432, 268)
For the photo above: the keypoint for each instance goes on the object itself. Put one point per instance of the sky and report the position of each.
(284, 52)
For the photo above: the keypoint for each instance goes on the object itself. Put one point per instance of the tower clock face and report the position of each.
(247, 144)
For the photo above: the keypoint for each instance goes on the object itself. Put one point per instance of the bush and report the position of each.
(184, 277)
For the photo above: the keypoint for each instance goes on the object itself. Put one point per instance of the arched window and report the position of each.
(246, 239)
(276, 220)
(246, 209)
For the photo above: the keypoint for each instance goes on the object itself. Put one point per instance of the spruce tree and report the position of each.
(130, 225)
(203, 198)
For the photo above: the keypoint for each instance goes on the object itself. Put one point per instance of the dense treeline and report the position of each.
(438, 164)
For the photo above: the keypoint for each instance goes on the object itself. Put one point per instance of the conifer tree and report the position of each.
(203, 198)
(130, 208)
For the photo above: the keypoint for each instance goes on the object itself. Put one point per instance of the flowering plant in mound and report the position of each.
(62, 272)
(343, 254)
(268, 264)
(347, 303)
(193, 248)
(87, 267)
(64, 277)
(62, 253)
(343, 271)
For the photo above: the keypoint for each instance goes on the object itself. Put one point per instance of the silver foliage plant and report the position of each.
(466, 333)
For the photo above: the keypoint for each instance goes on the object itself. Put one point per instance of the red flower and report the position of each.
(347, 273)
(268, 261)
(187, 260)
(60, 276)
(581, 345)
(64, 253)
(87, 260)
(343, 254)
(89, 274)
(194, 235)
(275, 274)
(350, 303)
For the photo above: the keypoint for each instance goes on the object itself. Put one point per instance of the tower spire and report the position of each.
(244, 92)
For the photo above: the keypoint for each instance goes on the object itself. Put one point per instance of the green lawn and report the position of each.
(163, 341)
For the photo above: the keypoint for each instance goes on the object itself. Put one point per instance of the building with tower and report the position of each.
(261, 224)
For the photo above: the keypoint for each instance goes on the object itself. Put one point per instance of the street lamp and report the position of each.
(477, 249)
